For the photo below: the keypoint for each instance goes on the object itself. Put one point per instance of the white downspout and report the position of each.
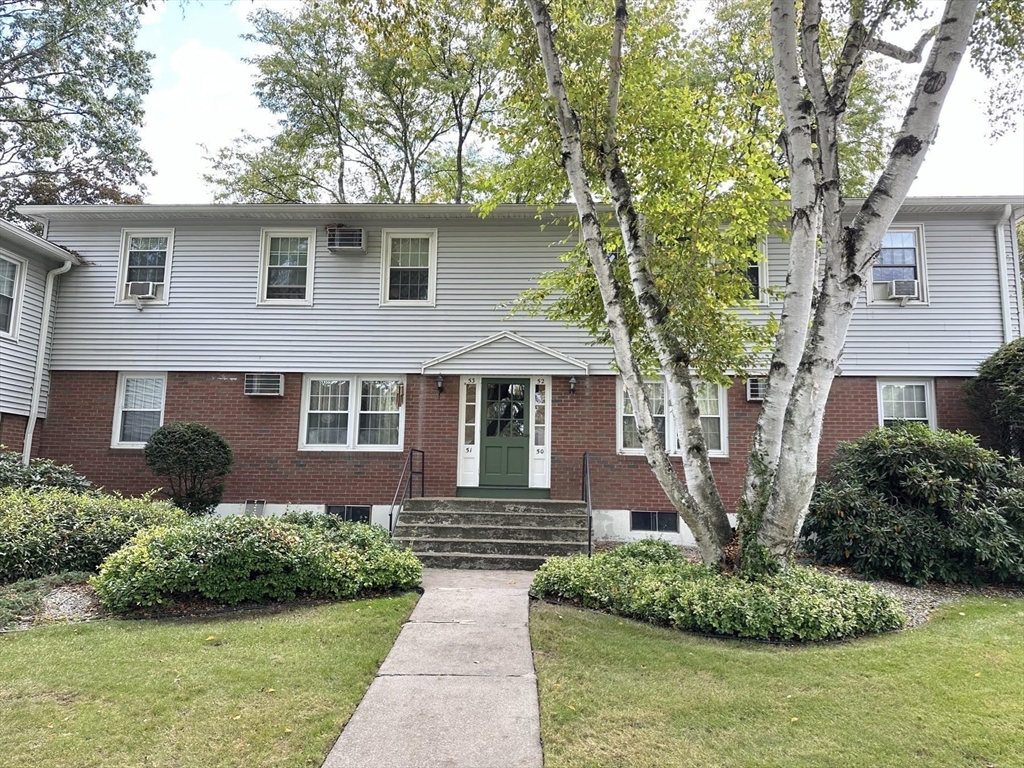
(37, 381)
(1004, 285)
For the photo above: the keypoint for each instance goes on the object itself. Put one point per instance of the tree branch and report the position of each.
(912, 56)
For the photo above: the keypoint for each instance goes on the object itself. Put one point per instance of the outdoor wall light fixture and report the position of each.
(440, 385)
(572, 385)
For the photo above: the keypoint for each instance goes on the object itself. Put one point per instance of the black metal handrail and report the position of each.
(405, 486)
(585, 482)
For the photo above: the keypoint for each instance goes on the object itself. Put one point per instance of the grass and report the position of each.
(618, 693)
(24, 598)
(269, 689)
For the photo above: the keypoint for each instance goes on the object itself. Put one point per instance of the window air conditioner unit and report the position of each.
(903, 289)
(756, 387)
(264, 384)
(142, 291)
(346, 239)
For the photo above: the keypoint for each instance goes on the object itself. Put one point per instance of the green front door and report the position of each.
(504, 434)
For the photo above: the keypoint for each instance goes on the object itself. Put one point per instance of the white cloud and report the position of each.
(209, 102)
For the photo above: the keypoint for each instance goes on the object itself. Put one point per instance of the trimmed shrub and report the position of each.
(56, 530)
(997, 396)
(39, 474)
(249, 559)
(796, 604)
(193, 459)
(920, 505)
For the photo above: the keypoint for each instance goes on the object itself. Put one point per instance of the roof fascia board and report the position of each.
(33, 244)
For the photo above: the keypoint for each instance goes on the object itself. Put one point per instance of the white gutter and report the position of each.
(1017, 276)
(37, 381)
(1004, 279)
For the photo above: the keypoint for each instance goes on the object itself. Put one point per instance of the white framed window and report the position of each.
(901, 258)
(286, 266)
(145, 258)
(710, 401)
(906, 400)
(408, 267)
(757, 275)
(352, 413)
(139, 408)
(12, 287)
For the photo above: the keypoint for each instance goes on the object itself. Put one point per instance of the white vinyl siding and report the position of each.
(213, 323)
(146, 256)
(140, 408)
(12, 279)
(905, 401)
(710, 400)
(286, 266)
(409, 267)
(18, 348)
(345, 413)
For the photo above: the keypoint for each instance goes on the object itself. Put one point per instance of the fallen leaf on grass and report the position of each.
(793, 719)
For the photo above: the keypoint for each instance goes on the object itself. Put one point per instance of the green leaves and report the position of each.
(650, 581)
(239, 559)
(71, 90)
(194, 460)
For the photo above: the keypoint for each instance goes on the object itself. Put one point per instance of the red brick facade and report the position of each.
(12, 431)
(264, 434)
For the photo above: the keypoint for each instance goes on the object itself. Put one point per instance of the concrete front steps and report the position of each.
(493, 534)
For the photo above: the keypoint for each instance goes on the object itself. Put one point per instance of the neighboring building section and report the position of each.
(25, 262)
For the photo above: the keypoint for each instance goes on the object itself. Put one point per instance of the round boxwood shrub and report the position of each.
(39, 474)
(997, 396)
(920, 505)
(56, 530)
(193, 459)
(248, 559)
(653, 582)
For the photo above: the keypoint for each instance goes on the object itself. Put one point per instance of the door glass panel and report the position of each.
(539, 413)
(470, 436)
(506, 410)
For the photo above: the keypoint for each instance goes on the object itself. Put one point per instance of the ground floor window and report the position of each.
(664, 522)
(905, 401)
(139, 410)
(710, 401)
(352, 413)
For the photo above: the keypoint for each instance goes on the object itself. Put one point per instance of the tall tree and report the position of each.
(814, 93)
(374, 99)
(71, 89)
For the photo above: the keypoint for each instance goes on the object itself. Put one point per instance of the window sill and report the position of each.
(352, 449)
(672, 454)
(285, 303)
(398, 303)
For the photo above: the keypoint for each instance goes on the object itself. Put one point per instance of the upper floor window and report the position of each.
(898, 273)
(352, 413)
(139, 409)
(408, 266)
(145, 259)
(905, 401)
(757, 275)
(286, 266)
(710, 401)
(12, 272)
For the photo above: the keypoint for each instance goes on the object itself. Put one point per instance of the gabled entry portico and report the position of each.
(505, 418)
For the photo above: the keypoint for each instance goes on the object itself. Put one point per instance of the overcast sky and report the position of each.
(202, 95)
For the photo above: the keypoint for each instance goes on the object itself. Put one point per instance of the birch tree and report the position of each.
(829, 259)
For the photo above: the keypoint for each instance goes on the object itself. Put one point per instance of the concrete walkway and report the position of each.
(458, 689)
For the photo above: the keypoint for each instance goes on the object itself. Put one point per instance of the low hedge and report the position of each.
(56, 530)
(39, 474)
(250, 559)
(651, 581)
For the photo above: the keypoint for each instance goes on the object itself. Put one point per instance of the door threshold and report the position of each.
(502, 492)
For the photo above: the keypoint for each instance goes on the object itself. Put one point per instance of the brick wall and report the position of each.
(264, 434)
(12, 431)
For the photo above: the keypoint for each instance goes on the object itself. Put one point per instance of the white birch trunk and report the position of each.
(703, 522)
(848, 262)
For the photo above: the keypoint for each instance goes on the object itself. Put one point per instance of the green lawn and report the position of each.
(271, 689)
(619, 693)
